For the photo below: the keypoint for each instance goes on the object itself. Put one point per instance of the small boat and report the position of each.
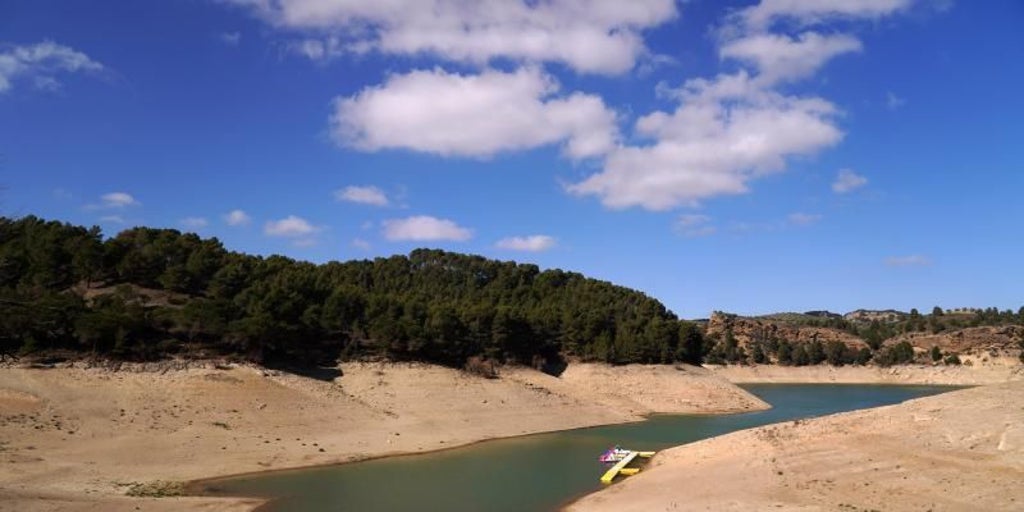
(613, 454)
(621, 458)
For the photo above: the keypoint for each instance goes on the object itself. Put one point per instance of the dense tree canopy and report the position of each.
(150, 293)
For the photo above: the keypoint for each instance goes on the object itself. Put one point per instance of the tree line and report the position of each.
(150, 293)
(153, 293)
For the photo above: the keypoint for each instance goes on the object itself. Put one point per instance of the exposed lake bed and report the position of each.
(139, 426)
(539, 472)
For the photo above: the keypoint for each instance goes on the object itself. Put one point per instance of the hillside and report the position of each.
(147, 294)
(981, 337)
(153, 293)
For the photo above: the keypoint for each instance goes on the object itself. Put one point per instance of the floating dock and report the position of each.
(620, 467)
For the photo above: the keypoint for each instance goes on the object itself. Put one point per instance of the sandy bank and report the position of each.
(962, 450)
(77, 439)
(993, 372)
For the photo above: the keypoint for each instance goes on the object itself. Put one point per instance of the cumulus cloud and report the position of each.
(913, 260)
(290, 227)
(40, 62)
(361, 244)
(728, 130)
(532, 243)
(363, 195)
(475, 115)
(779, 57)
(424, 228)
(587, 36)
(724, 133)
(237, 218)
(194, 222)
(848, 181)
(803, 219)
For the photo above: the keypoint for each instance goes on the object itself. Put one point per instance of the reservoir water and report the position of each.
(533, 473)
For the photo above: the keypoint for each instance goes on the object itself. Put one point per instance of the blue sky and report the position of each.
(750, 157)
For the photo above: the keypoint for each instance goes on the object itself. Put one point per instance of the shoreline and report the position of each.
(369, 401)
(176, 426)
(941, 375)
(198, 491)
(962, 450)
(192, 484)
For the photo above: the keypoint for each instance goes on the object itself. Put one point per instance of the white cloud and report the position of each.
(694, 225)
(729, 130)
(450, 114)
(237, 218)
(781, 58)
(803, 219)
(588, 36)
(724, 133)
(113, 219)
(364, 195)
(848, 181)
(39, 62)
(117, 200)
(913, 260)
(894, 102)
(361, 244)
(532, 243)
(195, 222)
(424, 228)
(767, 12)
(291, 227)
(231, 38)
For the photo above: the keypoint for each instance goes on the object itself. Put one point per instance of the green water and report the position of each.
(539, 472)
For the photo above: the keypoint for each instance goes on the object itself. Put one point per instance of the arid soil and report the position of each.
(962, 450)
(79, 438)
(994, 370)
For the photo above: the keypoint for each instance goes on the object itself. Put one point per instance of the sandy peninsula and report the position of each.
(975, 373)
(77, 438)
(962, 450)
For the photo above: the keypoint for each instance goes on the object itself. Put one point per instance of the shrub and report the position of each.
(483, 367)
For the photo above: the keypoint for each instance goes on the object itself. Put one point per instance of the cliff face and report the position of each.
(869, 315)
(747, 330)
(1001, 341)
(977, 344)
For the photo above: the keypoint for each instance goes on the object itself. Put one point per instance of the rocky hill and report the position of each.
(748, 330)
(869, 315)
(738, 339)
(975, 344)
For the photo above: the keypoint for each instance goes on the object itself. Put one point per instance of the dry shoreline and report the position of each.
(995, 372)
(74, 438)
(962, 450)
(199, 425)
